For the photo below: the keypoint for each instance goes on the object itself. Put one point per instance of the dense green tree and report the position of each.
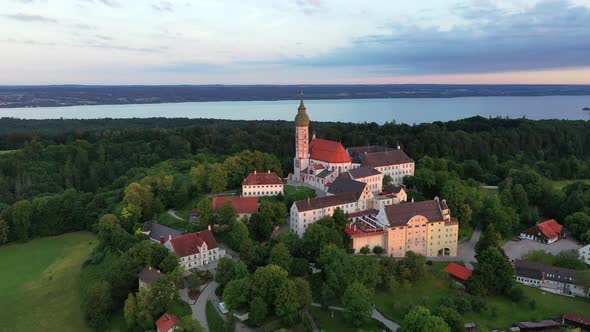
(188, 324)
(387, 180)
(357, 302)
(268, 281)
(248, 252)
(110, 219)
(236, 293)
(293, 296)
(579, 224)
(216, 178)
(259, 227)
(205, 209)
(130, 311)
(224, 273)
(4, 231)
(21, 219)
(451, 317)
(162, 293)
(227, 214)
(492, 274)
(279, 255)
(98, 305)
(420, 319)
(237, 235)
(299, 267)
(412, 267)
(318, 234)
(258, 311)
(503, 217)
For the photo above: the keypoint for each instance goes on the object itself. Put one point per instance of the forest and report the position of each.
(109, 176)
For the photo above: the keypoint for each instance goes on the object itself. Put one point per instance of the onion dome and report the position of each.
(302, 119)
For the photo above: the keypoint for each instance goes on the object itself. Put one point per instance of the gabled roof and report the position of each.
(386, 158)
(458, 271)
(262, 178)
(326, 201)
(363, 172)
(157, 231)
(149, 275)
(189, 244)
(584, 320)
(242, 205)
(358, 153)
(166, 322)
(328, 151)
(550, 228)
(391, 189)
(399, 214)
(540, 271)
(344, 184)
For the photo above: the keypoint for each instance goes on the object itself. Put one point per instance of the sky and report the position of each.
(294, 41)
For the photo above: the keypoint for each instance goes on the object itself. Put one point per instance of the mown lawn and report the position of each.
(500, 313)
(40, 283)
(216, 323)
(560, 184)
(325, 322)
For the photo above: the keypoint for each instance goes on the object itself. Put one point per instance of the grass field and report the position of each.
(216, 323)
(325, 321)
(560, 184)
(40, 284)
(500, 313)
(7, 151)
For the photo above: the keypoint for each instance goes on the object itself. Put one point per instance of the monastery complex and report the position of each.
(352, 179)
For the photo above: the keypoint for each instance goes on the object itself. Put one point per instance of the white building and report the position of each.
(262, 184)
(195, 249)
(585, 254)
(552, 279)
(306, 212)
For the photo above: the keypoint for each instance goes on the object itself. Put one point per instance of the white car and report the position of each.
(222, 307)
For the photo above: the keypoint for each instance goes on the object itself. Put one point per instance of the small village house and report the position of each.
(148, 277)
(196, 249)
(244, 206)
(167, 323)
(262, 184)
(546, 232)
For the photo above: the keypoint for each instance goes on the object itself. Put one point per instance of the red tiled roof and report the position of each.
(318, 166)
(166, 322)
(328, 151)
(584, 320)
(550, 228)
(458, 271)
(189, 244)
(262, 178)
(247, 205)
(360, 228)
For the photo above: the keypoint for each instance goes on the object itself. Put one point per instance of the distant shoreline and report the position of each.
(82, 95)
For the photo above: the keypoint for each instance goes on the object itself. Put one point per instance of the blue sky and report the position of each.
(293, 42)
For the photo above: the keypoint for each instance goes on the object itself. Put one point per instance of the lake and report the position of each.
(417, 110)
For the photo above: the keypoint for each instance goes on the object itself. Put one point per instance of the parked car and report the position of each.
(222, 307)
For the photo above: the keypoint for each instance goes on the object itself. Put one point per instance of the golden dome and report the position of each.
(301, 119)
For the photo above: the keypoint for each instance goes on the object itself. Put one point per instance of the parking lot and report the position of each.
(519, 249)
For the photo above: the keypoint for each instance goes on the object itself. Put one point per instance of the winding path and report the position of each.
(393, 326)
(174, 215)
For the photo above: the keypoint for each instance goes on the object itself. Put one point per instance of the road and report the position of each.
(393, 326)
(199, 307)
(466, 250)
(174, 215)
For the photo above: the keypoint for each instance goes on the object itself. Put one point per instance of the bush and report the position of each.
(300, 267)
(516, 294)
(378, 250)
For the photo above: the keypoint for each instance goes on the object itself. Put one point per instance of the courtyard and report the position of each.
(519, 249)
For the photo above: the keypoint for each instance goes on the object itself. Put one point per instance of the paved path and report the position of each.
(393, 326)
(519, 249)
(465, 251)
(174, 215)
(199, 307)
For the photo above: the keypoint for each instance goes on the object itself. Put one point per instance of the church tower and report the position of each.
(301, 160)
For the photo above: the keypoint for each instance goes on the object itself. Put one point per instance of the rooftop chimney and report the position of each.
(209, 227)
(169, 237)
(150, 267)
(399, 147)
(313, 135)
(412, 199)
(254, 171)
(268, 171)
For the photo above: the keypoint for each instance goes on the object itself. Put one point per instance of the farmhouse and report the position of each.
(552, 279)
(167, 323)
(159, 233)
(245, 206)
(196, 249)
(547, 232)
(584, 253)
(148, 277)
(262, 184)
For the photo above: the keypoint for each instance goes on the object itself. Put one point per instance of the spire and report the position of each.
(301, 105)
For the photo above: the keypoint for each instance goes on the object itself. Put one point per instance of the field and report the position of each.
(560, 184)
(326, 322)
(501, 312)
(40, 284)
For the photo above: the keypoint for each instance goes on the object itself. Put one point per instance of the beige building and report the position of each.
(424, 227)
(372, 177)
(262, 184)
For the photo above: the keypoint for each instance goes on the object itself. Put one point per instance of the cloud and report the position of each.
(163, 6)
(309, 7)
(109, 3)
(548, 35)
(30, 18)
